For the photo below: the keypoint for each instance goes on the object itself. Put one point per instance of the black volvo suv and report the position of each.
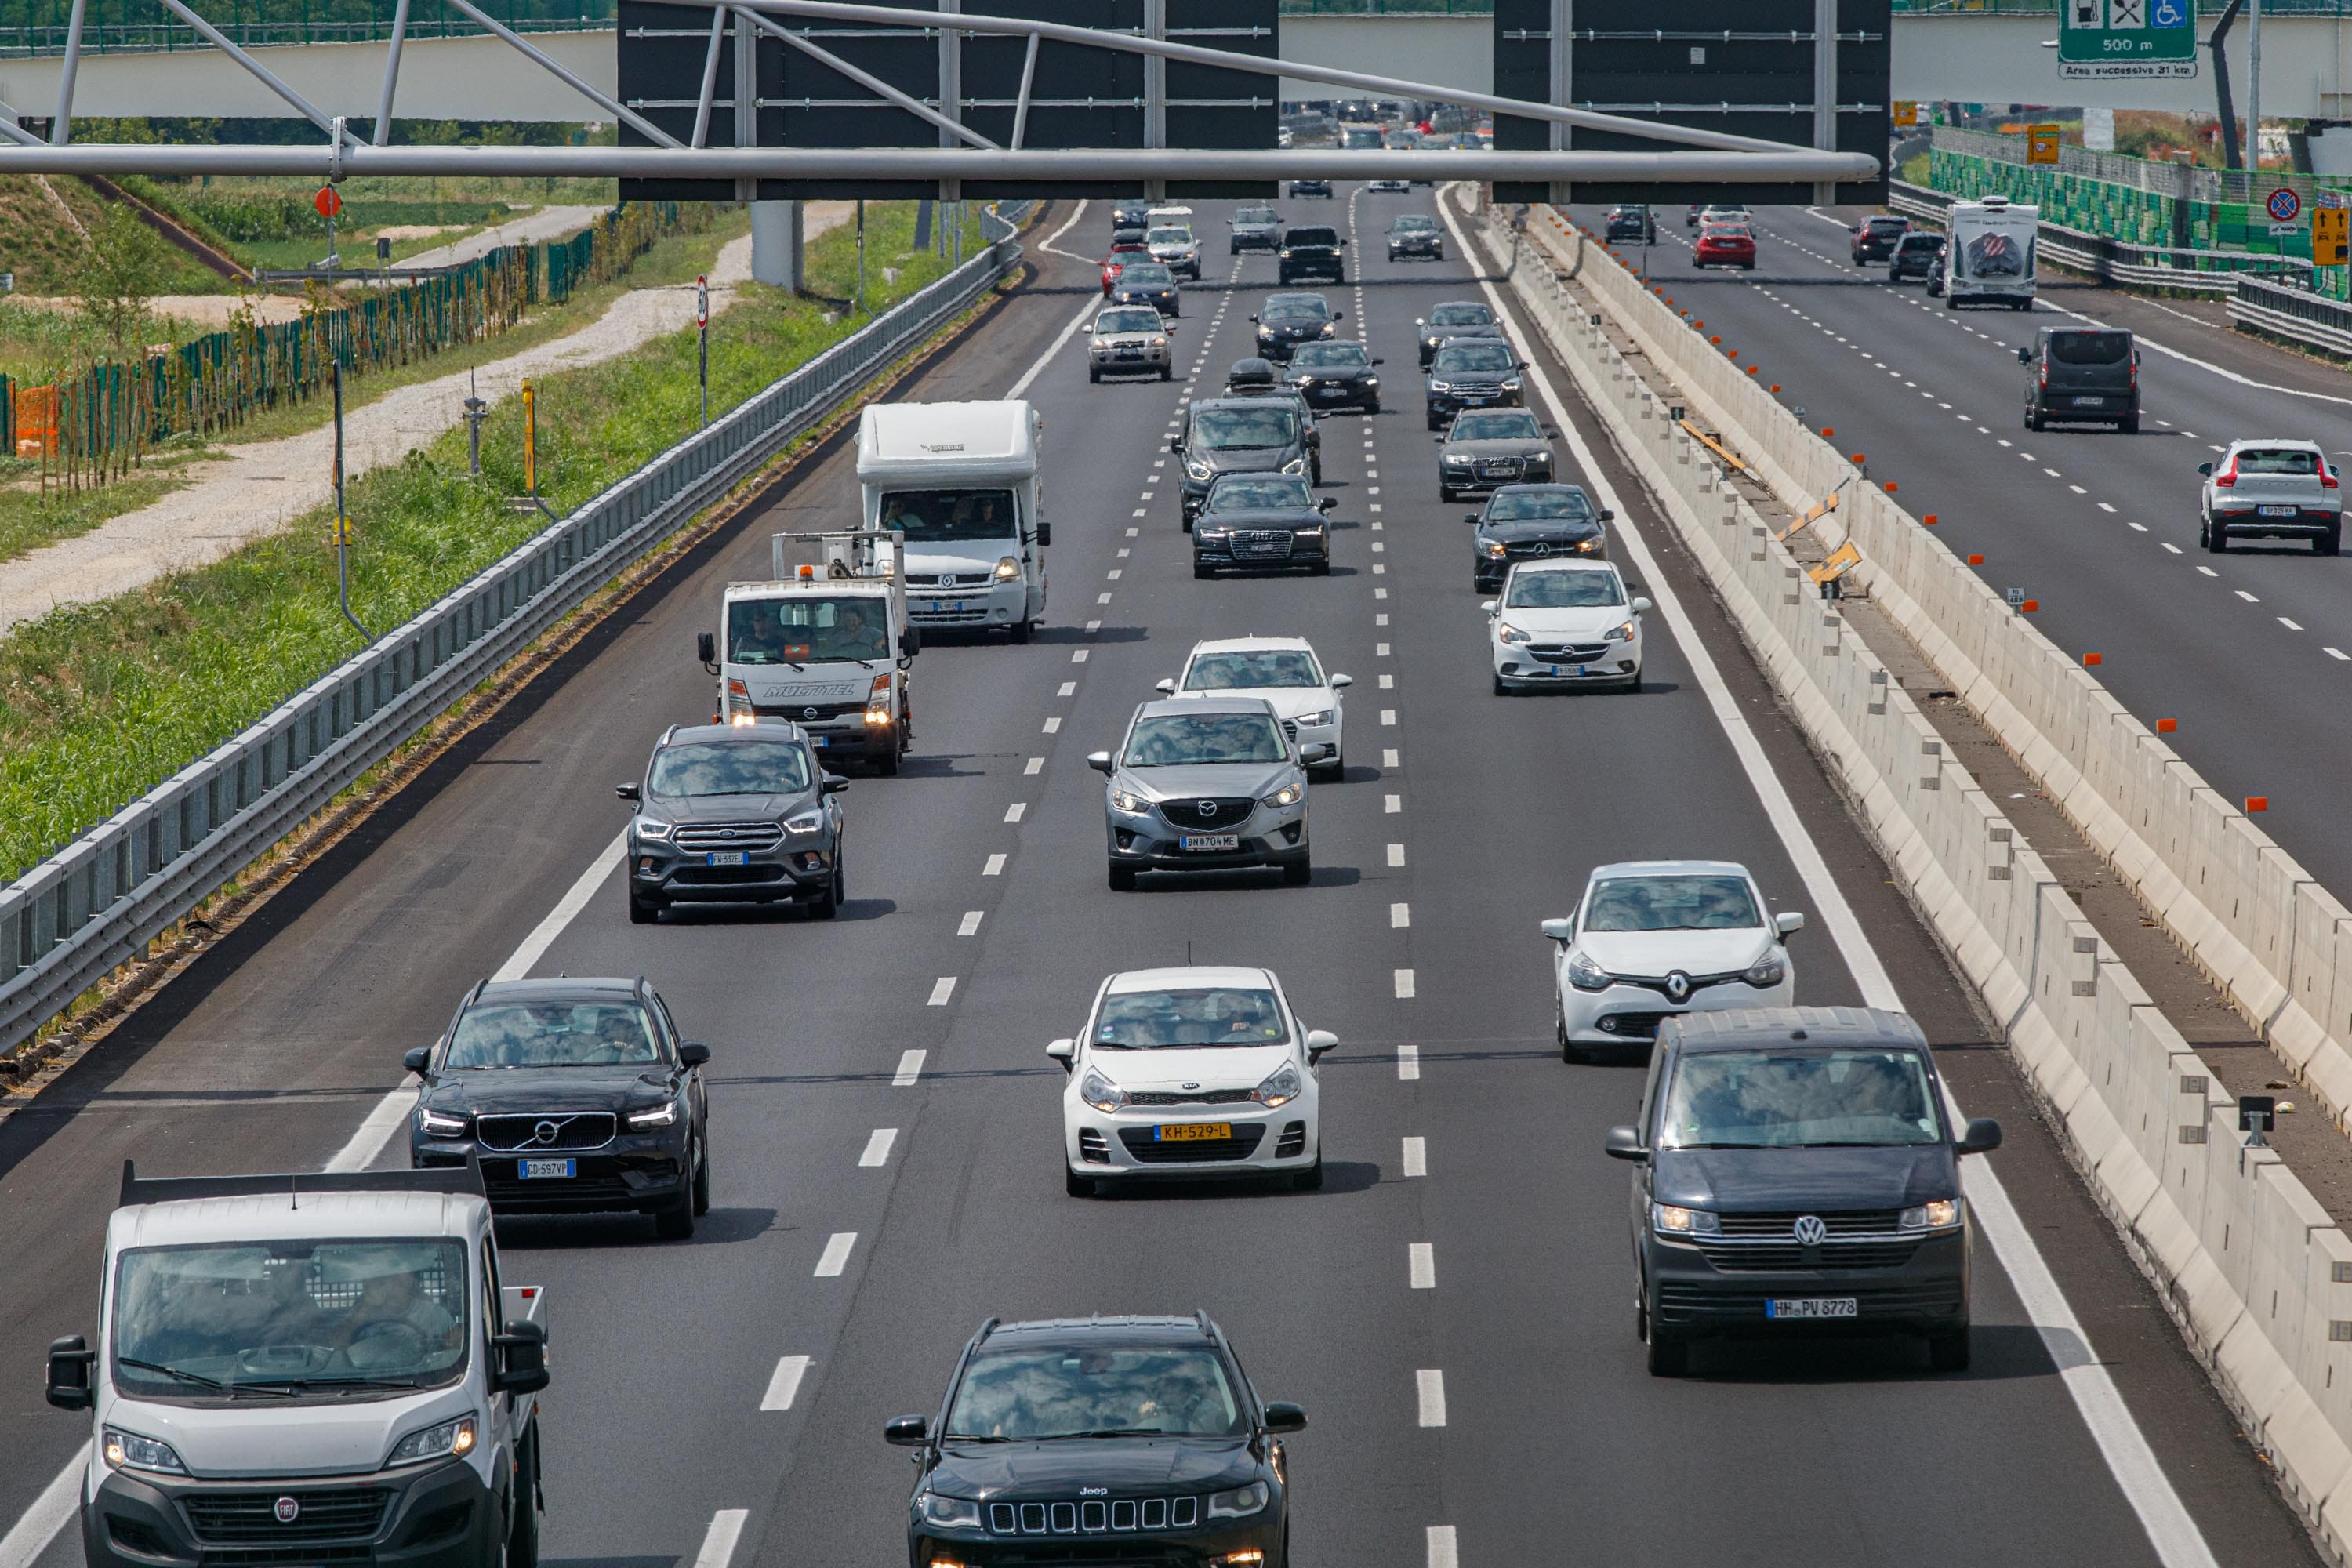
(1116, 1440)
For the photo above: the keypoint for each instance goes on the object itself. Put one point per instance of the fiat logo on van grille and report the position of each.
(287, 1510)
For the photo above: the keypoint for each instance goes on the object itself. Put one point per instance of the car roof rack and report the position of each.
(461, 1181)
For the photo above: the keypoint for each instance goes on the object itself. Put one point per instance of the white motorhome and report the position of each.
(823, 642)
(960, 482)
(322, 1369)
(1989, 260)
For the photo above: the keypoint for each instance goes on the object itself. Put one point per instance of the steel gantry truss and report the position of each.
(1694, 154)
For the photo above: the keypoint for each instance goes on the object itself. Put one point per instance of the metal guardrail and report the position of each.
(96, 904)
(2294, 313)
(159, 32)
(2114, 260)
(2182, 182)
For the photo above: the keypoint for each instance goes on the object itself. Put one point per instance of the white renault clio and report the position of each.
(1656, 937)
(1286, 672)
(1564, 622)
(1194, 1072)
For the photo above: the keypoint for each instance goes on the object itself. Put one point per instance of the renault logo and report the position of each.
(946, 579)
(1678, 987)
(287, 1510)
(1208, 809)
(1810, 1229)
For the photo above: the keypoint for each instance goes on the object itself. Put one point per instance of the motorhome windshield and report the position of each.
(290, 1320)
(946, 516)
(800, 631)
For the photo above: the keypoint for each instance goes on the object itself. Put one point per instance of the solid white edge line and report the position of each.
(49, 1513)
(718, 1541)
(2138, 1472)
(786, 1385)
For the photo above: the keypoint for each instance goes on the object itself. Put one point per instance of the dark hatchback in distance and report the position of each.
(1920, 253)
(1136, 1442)
(1795, 1173)
(2076, 374)
(734, 814)
(578, 1096)
(1875, 238)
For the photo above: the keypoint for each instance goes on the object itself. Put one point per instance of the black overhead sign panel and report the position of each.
(1745, 67)
(1079, 97)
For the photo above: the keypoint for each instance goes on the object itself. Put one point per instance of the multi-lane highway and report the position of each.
(2251, 651)
(886, 1126)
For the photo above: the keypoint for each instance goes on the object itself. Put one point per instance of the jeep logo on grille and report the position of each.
(1094, 1491)
(287, 1510)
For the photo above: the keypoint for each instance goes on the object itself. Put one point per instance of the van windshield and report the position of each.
(806, 631)
(280, 1319)
(1785, 1098)
(944, 517)
(2090, 348)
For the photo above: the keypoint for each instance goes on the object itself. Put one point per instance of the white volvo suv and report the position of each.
(1653, 938)
(1286, 672)
(1194, 1072)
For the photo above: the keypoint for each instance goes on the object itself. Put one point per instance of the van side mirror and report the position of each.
(906, 1431)
(1325, 504)
(2025, 356)
(1175, 443)
(1098, 761)
(521, 1354)
(1606, 514)
(1625, 1144)
(2205, 469)
(71, 1359)
(706, 648)
(1378, 360)
(693, 1056)
(1045, 535)
(1560, 929)
(910, 642)
(414, 1058)
(1788, 923)
(1284, 1417)
(628, 792)
(1981, 1136)
(833, 784)
(1320, 1042)
(1063, 1051)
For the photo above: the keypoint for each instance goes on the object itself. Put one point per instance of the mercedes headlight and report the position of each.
(1128, 800)
(1240, 1502)
(1507, 633)
(1766, 972)
(1496, 550)
(953, 1511)
(1008, 567)
(1100, 1092)
(1315, 720)
(1937, 1216)
(1587, 975)
(1281, 1085)
(449, 1440)
(1675, 1221)
(1289, 794)
(438, 1124)
(650, 827)
(808, 821)
(1620, 633)
(129, 1451)
(663, 1115)
(1296, 466)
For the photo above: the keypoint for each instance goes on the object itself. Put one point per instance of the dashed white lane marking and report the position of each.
(1393, 804)
(1102, 598)
(1094, 626)
(786, 1385)
(1381, 619)
(2135, 527)
(2208, 572)
(2289, 625)
(1399, 916)
(1069, 688)
(1404, 985)
(1408, 1062)
(1389, 758)
(1443, 1552)
(1054, 726)
(718, 1541)
(1387, 715)
(970, 926)
(1033, 765)
(1430, 1384)
(1388, 682)
(941, 989)
(878, 1147)
(2078, 490)
(1381, 650)
(1112, 575)
(1416, 1155)
(1078, 655)
(1014, 812)
(2337, 653)
(835, 1256)
(1396, 854)
(2174, 549)
(1420, 1266)
(2248, 597)
(2105, 506)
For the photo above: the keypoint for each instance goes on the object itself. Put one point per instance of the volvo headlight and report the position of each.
(1281, 1085)
(656, 1116)
(1507, 633)
(1296, 466)
(651, 827)
(439, 1124)
(1315, 720)
(449, 1440)
(808, 821)
(1240, 1502)
(1674, 1221)
(952, 1511)
(1937, 1216)
(1289, 794)
(129, 1451)
(1585, 974)
(1100, 1092)
(1766, 972)
(1620, 633)
(1008, 567)
(1128, 800)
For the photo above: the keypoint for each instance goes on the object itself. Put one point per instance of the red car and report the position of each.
(1116, 262)
(1725, 244)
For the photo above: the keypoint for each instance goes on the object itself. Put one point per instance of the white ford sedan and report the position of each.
(1286, 672)
(1657, 937)
(1564, 622)
(1194, 1072)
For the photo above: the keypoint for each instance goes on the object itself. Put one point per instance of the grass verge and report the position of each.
(100, 702)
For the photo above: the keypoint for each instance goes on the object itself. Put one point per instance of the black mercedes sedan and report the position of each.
(734, 814)
(1147, 283)
(1262, 522)
(1797, 1174)
(1454, 318)
(1238, 436)
(1523, 522)
(579, 1096)
(1112, 1439)
(1288, 319)
(1336, 375)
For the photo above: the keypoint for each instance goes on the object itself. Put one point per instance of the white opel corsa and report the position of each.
(1286, 672)
(1194, 1072)
(1653, 938)
(1564, 622)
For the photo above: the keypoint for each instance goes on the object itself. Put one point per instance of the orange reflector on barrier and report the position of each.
(2030, 605)
(2166, 726)
(1890, 487)
(1976, 559)
(2258, 802)
(2090, 660)
(1828, 434)
(1930, 520)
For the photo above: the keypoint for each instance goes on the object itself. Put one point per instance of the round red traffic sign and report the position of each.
(329, 201)
(2283, 205)
(702, 301)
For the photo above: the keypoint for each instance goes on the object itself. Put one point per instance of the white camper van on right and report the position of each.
(1989, 260)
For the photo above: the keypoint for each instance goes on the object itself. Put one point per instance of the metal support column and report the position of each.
(391, 73)
(1155, 92)
(776, 238)
(747, 98)
(2254, 85)
(1825, 94)
(62, 131)
(1563, 64)
(950, 91)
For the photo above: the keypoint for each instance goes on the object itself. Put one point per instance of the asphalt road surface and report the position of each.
(887, 1127)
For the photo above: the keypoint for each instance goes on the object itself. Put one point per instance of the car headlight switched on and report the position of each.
(1766, 972)
(449, 1440)
(653, 1117)
(1128, 800)
(808, 821)
(439, 1123)
(129, 1451)
(1289, 794)
(1315, 720)
(1507, 633)
(1296, 466)
(1240, 1502)
(1100, 1092)
(650, 827)
(1008, 567)
(1585, 974)
(1940, 1214)
(1620, 633)
(1496, 550)
(1672, 1221)
(1281, 1085)
(1440, 386)
(952, 1511)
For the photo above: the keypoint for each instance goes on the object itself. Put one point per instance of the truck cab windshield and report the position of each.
(801, 631)
(290, 1320)
(948, 516)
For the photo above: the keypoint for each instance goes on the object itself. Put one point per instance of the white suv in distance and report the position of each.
(2272, 489)
(1286, 672)
(1653, 938)
(1129, 340)
(1568, 622)
(1194, 1072)
(1175, 248)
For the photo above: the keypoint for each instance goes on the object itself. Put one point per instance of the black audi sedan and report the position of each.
(1796, 1173)
(1288, 319)
(1239, 435)
(579, 1096)
(1262, 522)
(1336, 375)
(1111, 1439)
(1452, 319)
(1487, 449)
(734, 814)
(1147, 283)
(1529, 522)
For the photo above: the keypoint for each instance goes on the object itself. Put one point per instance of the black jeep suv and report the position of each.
(1127, 1440)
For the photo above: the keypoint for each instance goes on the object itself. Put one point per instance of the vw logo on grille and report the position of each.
(808, 713)
(1810, 1229)
(1678, 987)
(546, 1133)
(1208, 809)
(288, 1509)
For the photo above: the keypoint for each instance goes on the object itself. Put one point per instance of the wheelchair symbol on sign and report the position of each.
(2171, 13)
